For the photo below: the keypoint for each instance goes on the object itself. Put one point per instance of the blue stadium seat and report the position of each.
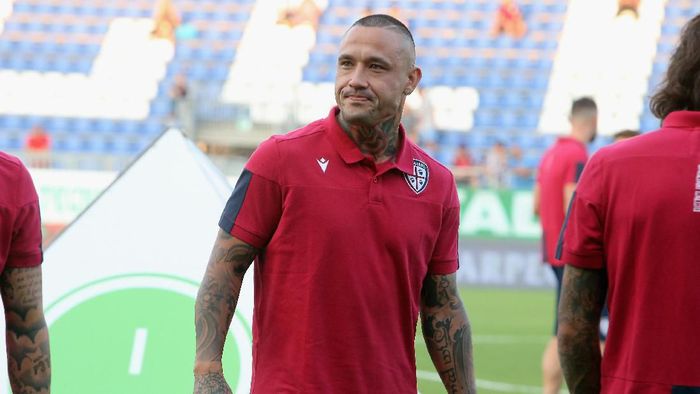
(11, 142)
(152, 127)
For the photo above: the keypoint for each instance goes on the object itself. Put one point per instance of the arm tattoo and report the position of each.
(447, 333)
(211, 383)
(27, 336)
(217, 299)
(380, 141)
(582, 298)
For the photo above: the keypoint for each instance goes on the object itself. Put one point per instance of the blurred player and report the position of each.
(354, 232)
(27, 336)
(633, 233)
(557, 175)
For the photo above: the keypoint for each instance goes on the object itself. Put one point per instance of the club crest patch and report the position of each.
(419, 179)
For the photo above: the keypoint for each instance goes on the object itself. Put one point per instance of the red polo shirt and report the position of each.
(20, 224)
(347, 244)
(561, 164)
(636, 213)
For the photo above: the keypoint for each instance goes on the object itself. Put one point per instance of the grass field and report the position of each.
(509, 330)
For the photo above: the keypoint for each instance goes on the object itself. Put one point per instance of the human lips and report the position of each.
(354, 96)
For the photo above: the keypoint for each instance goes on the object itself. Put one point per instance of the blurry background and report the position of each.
(86, 86)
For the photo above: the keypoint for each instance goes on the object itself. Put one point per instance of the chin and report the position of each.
(355, 115)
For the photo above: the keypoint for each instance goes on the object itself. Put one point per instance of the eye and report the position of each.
(376, 67)
(344, 63)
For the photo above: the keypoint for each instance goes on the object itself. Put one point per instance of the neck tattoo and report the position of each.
(379, 142)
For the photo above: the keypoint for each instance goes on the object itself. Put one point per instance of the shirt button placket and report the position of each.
(375, 192)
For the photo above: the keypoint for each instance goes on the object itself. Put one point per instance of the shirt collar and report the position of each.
(570, 139)
(684, 119)
(350, 153)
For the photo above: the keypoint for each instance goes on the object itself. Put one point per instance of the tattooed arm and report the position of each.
(447, 333)
(27, 337)
(214, 308)
(582, 298)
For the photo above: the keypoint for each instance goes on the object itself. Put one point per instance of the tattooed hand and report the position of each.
(27, 337)
(447, 333)
(216, 303)
(211, 383)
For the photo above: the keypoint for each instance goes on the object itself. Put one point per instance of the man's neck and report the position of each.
(379, 142)
(579, 136)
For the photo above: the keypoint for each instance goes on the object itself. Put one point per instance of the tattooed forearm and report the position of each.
(217, 298)
(582, 298)
(211, 383)
(27, 337)
(447, 333)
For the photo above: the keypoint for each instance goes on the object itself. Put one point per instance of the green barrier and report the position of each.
(497, 214)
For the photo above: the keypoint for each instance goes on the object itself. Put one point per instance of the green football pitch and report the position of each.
(510, 329)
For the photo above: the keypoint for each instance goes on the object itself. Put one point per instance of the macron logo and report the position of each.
(323, 163)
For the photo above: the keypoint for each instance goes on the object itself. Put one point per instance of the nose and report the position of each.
(358, 78)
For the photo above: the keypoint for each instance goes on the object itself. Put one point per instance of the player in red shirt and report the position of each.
(557, 174)
(633, 233)
(27, 336)
(354, 233)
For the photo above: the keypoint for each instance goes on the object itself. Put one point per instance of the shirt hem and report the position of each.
(247, 237)
(445, 267)
(25, 261)
(581, 261)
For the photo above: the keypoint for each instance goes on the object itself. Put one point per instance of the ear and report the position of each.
(413, 78)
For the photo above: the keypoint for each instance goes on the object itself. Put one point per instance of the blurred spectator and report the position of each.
(186, 30)
(462, 157)
(624, 134)
(38, 147)
(409, 120)
(179, 91)
(496, 166)
(181, 110)
(628, 7)
(303, 12)
(520, 176)
(165, 20)
(392, 10)
(509, 20)
(463, 167)
(431, 148)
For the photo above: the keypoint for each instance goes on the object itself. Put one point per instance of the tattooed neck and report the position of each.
(379, 142)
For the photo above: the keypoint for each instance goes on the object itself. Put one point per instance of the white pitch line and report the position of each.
(502, 339)
(485, 384)
(138, 351)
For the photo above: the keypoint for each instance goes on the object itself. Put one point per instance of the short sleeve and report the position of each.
(445, 259)
(255, 206)
(581, 244)
(25, 247)
(575, 168)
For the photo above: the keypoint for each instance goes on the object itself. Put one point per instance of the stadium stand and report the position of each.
(497, 84)
(677, 13)
(90, 74)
